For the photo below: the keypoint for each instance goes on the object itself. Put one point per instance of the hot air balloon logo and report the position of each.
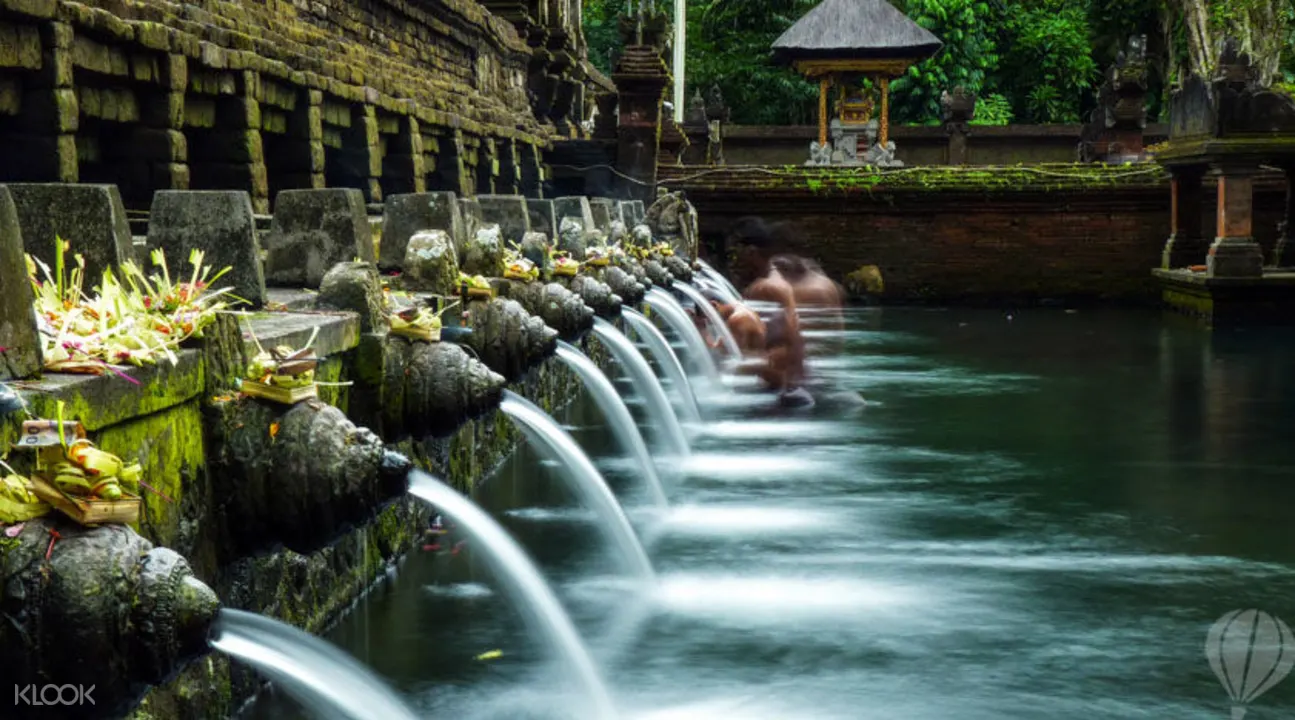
(1250, 651)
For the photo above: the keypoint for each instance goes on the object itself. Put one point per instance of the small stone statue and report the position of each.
(882, 156)
(819, 154)
(714, 144)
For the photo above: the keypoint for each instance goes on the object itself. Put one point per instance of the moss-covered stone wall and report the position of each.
(966, 234)
(387, 96)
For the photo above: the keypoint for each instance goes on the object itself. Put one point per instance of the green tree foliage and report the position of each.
(969, 54)
(1037, 61)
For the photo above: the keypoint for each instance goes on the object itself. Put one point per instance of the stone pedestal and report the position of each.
(217, 222)
(19, 344)
(1235, 252)
(1186, 245)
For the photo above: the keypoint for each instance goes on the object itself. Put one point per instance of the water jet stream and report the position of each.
(716, 277)
(712, 315)
(321, 677)
(617, 414)
(646, 382)
(585, 479)
(677, 318)
(666, 358)
(522, 581)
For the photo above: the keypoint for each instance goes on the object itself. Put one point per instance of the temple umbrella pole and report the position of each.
(883, 136)
(822, 111)
(680, 38)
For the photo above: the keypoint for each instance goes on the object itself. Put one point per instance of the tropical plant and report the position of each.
(970, 52)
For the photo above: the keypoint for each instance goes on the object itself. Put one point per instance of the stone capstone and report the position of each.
(657, 273)
(354, 286)
(572, 237)
(574, 206)
(312, 231)
(91, 218)
(678, 268)
(484, 254)
(543, 217)
(535, 247)
(20, 355)
(431, 263)
(217, 222)
(404, 216)
(509, 212)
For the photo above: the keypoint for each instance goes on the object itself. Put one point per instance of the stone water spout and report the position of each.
(107, 609)
(620, 282)
(295, 475)
(595, 293)
(433, 388)
(508, 339)
(557, 306)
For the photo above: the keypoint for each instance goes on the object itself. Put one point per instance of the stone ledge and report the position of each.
(101, 401)
(338, 331)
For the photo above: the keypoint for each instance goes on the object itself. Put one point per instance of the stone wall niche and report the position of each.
(125, 120)
(38, 113)
(223, 120)
(352, 151)
(291, 137)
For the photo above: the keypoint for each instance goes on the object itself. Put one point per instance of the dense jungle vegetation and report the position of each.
(1030, 61)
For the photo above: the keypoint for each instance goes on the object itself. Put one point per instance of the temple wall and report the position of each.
(386, 96)
(1085, 240)
(919, 145)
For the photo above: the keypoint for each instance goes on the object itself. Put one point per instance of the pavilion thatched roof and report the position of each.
(851, 29)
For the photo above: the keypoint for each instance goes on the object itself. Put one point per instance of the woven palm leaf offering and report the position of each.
(517, 267)
(282, 374)
(87, 484)
(418, 322)
(663, 249)
(564, 264)
(18, 499)
(130, 321)
(598, 256)
(476, 286)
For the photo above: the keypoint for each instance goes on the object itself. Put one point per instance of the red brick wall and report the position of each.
(946, 245)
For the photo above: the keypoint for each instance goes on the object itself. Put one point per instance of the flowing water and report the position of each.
(669, 363)
(585, 479)
(712, 316)
(676, 318)
(660, 411)
(719, 281)
(621, 421)
(1038, 515)
(314, 673)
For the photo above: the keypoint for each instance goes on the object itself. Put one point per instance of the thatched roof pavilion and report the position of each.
(854, 37)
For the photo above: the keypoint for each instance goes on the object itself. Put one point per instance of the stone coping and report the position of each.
(1272, 277)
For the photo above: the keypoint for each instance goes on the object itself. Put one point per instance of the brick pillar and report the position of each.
(531, 176)
(164, 119)
(1235, 252)
(1186, 244)
(1284, 254)
(508, 180)
(314, 132)
(372, 148)
(44, 148)
(247, 109)
(641, 78)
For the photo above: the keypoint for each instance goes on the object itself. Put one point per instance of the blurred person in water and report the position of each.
(742, 321)
(783, 364)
